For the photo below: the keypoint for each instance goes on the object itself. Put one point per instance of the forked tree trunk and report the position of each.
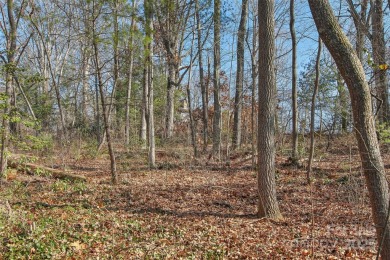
(268, 204)
(105, 110)
(353, 73)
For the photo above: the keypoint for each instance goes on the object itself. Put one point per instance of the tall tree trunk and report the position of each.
(379, 55)
(313, 111)
(205, 117)
(353, 73)
(115, 44)
(254, 87)
(268, 204)
(217, 67)
(9, 70)
(149, 81)
(240, 75)
(294, 106)
(130, 75)
(192, 123)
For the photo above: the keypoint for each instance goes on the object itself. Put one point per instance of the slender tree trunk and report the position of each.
(201, 78)
(313, 111)
(115, 43)
(240, 75)
(254, 87)
(85, 86)
(149, 81)
(170, 109)
(217, 67)
(268, 204)
(9, 70)
(144, 107)
(353, 73)
(294, 106)
(343, 101)
(130, 75)
(379, 55)
(192, 124)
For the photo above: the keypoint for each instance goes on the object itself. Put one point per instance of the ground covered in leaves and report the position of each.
(187, 209)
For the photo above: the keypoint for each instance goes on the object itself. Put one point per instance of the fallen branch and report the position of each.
(35, 169)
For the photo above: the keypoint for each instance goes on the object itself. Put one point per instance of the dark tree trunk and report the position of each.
(240, 76)
(217, 67)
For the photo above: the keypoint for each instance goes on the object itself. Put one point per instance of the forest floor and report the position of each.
(188, 209)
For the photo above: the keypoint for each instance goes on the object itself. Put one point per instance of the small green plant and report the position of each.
(383, 133)
(60, 185)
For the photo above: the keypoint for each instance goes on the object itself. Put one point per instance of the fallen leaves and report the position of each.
(184, 213)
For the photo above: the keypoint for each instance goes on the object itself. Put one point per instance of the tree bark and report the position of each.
(9, 70)
(205, 117)
(268, 204)
(294, 106)
(379, 55)
(217, 68)
(130, 75)
(237, 124)
(353, 73)
(149, 81)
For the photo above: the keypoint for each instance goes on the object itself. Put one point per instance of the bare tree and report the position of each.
(268, 204)
(105, 109)
(353, 73)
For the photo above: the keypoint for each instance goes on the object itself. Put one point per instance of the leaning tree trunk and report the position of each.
(268, 204)
(240, 76)
(353, 73)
